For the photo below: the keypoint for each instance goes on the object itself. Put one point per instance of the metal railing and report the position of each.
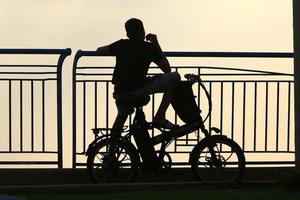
(253, 107)
(26, 112)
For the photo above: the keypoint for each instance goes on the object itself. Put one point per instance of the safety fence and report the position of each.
(31, 107)
(255, 108)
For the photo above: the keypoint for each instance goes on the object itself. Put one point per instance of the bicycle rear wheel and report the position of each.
(112, 160)
(218, 159)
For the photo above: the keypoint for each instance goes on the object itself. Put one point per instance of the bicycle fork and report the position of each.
(211, 150)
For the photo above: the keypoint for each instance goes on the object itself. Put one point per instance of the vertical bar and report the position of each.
(175, 117)
(43, 115)
(84, 114)
(266, 120)
(32, 116)
(221, 111)
(232, 110)
(244, 114)
(21, 115)
(153, 108)
(289, 116)
(9, 116)
(199, 72)
(199, 105)
(107, 103)
(175, 141)
(187, 139)
(255, 114)
(277, 116)
(187, 135)
(210, 92)
(96, 104)
(176, 69)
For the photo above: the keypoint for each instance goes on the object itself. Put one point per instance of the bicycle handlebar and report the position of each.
(192, 77)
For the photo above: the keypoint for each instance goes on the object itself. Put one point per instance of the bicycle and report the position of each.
(215, 158)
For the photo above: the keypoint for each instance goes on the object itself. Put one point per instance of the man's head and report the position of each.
(135, 29)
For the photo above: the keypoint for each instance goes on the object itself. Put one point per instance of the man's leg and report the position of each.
(162, 84)
(160, 116)
(123, 112)
(118, 125)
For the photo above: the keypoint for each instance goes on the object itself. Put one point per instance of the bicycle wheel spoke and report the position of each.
(124, 158)
(229, 157)
(100, 159)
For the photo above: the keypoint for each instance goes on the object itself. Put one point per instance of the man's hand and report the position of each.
(152, 38)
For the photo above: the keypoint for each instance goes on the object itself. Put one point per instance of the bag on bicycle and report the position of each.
(184, 104)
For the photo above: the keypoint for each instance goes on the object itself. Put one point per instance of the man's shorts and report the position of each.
(157, 84)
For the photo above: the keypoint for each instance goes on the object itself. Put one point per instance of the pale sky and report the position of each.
(196, 25)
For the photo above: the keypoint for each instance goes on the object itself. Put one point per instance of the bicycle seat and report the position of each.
(133, 101)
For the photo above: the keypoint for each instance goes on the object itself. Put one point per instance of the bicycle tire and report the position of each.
(206, 170)
(119, 166)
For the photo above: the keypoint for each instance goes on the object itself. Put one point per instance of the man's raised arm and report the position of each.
(163, 64)
(104, 51)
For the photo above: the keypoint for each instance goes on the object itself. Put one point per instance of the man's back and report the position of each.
(133, 58)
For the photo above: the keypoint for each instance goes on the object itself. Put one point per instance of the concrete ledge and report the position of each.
(119, 187)
(23, 177)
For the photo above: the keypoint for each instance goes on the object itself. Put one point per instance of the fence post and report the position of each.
(59, 107)
(76, 58)
(296, 22)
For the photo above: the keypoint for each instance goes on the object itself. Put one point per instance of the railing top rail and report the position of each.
(231, 54)
(252, 72)
(66, 51)
(81, 53)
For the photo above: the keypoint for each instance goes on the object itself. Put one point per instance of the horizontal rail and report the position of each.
(231, 54)
(36, 51)
(252, 72)
(28, 73)
(203, 74)
(28, 152)
(206, 81)
(209, 54)
(28, 79)
(28, 162)
(247, 163)
(44, 66)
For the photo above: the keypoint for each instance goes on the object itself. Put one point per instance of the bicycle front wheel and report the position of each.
(218, 159)
(112, 160)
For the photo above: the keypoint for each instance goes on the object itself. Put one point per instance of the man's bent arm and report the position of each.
(104, 51)
(163, 64)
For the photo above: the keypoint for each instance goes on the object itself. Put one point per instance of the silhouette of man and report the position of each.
(133, 57)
